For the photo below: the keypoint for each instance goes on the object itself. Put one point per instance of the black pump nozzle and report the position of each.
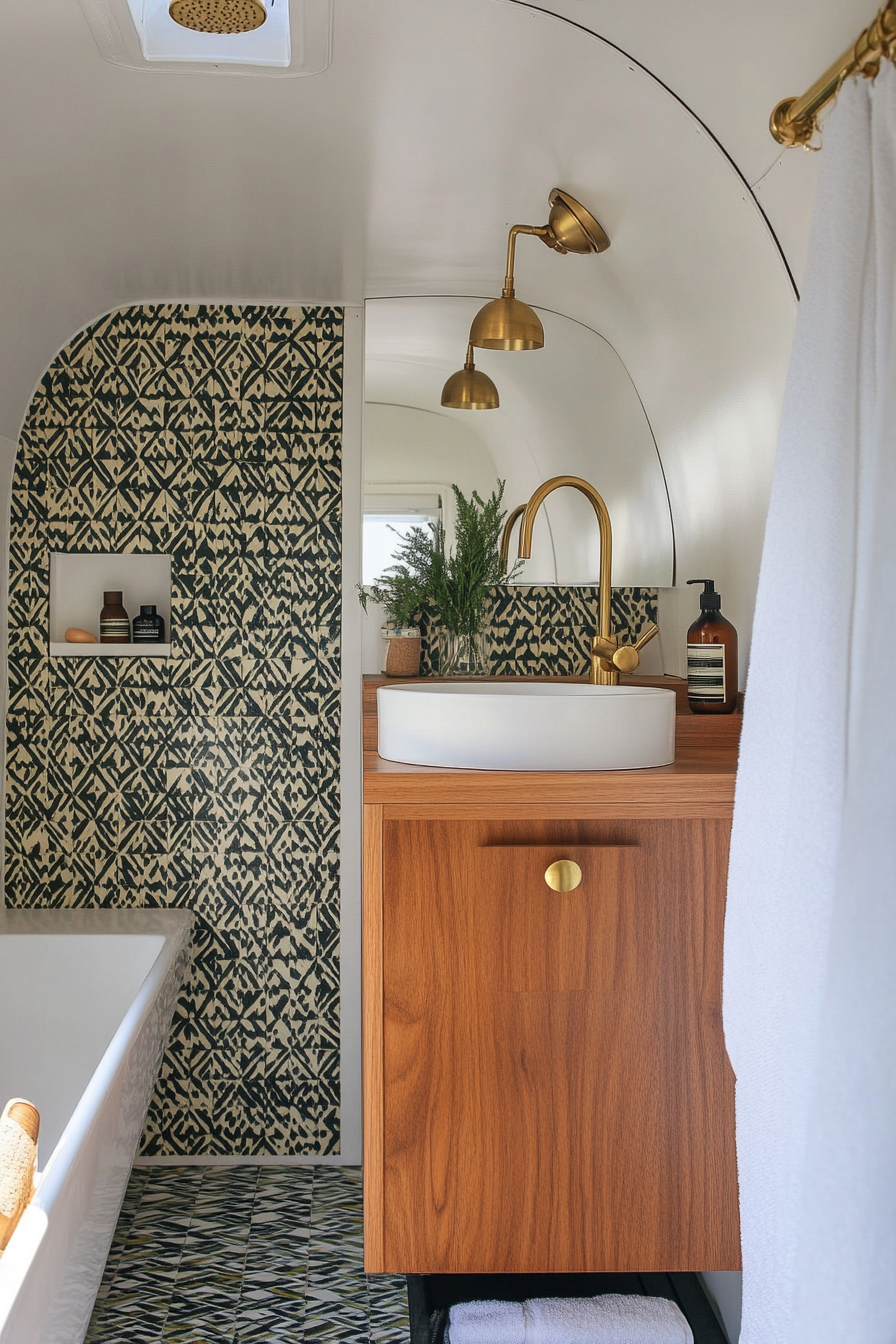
(710, 600)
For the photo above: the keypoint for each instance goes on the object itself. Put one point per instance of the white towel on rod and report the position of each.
(810, 935)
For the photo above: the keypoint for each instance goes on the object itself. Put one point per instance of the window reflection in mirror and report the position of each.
(389, 514)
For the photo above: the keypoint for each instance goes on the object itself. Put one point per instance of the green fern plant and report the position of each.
(458, 582)
(401, 594)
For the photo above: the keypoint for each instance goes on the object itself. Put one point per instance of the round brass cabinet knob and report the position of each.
(564, 875)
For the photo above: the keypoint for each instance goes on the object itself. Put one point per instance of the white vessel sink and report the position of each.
(526, 725)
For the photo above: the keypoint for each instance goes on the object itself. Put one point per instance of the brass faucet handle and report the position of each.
(627, 657)
(645, 639)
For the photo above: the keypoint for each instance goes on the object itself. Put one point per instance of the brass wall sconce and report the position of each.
(508, 323)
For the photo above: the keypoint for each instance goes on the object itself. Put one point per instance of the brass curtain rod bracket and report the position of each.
(795, 120)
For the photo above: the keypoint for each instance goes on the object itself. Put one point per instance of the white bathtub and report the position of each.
(86, 999)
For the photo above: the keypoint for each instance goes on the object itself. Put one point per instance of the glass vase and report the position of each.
(463, 655)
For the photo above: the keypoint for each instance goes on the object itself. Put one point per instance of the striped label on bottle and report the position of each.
(114, 627)
(706, 672)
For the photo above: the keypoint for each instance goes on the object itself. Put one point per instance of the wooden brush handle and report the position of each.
(25, 1115)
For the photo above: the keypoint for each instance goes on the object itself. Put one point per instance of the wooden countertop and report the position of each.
(699, 783)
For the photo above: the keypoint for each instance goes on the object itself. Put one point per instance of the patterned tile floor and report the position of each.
(229, 1255)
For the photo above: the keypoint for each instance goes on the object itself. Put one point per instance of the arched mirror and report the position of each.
(570, 408)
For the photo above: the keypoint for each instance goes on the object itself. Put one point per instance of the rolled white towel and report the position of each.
(486, 1323)
(614, 1318)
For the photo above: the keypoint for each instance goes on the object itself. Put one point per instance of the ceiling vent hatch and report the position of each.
(218, 16)
(224, 32)
(230, 37)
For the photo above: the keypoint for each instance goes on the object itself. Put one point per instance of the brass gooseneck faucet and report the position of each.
(608, 657)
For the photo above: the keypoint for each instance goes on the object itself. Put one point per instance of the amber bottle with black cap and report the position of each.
(712, 656)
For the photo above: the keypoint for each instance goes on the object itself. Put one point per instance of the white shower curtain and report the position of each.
(810, 935)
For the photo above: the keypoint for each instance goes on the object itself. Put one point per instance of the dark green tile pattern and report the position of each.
(209, 780)
(229, 1255)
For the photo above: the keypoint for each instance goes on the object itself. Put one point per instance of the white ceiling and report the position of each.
(438, 123)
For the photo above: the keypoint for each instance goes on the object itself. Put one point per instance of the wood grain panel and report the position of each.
(438, 811)
(550, 1127)
(695, 785)
(560, 942)
(372, 1035)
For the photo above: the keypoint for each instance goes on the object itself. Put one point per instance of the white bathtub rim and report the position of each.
(82, 1118)
(174, 927)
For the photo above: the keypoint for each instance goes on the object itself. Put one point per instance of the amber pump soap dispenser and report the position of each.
(712, 656)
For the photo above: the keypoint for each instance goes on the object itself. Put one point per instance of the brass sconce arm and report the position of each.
(508, 323)
(544, 233)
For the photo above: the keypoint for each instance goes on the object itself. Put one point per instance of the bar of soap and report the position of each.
(76, 636)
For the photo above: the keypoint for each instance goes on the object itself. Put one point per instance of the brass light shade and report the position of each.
(507, 324)
(218, 16)
(469, 389)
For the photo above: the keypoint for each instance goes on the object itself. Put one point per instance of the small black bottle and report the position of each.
(712, 656)
(148, 627)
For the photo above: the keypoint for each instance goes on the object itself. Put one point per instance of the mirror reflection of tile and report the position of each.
(545, 631)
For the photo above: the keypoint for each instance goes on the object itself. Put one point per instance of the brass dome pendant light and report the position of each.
(470, 389)
(218, 16)
(508, 323)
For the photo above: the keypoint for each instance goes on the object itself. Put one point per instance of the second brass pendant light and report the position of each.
(508, 323)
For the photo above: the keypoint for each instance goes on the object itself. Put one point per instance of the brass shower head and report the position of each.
(218, 16)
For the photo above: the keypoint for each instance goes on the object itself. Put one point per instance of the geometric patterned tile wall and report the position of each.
(209, 780)
(537, 631)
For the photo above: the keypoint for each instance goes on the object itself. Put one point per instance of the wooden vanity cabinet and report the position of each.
(546, 1083)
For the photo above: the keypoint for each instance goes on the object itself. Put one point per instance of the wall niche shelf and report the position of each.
(63, 650)
(77, 584)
